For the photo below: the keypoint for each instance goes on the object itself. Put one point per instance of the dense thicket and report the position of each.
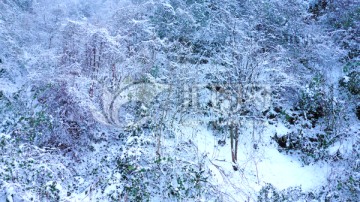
(65, 67)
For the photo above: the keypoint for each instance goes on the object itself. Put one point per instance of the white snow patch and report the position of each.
(9, 194)
(344, 147)
(5, 136)
(79, 179)
(256, 166)
(7, 87)
(283, 171)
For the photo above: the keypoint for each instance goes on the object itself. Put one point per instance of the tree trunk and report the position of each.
(234, 137)
(232, 143)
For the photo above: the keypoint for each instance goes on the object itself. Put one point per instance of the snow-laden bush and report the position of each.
(351, 82)
(45, 114)
(24, 117)
(144, 177)
(31, 173)
(344, 182)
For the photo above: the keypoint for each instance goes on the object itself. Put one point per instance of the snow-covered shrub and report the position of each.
(269, 193)
(352, 82)
(318, 7)
(313, 101)
(51, 191)
(160, 179)
(344, 182)
(33, 173)
(25, 5)
(71, 122)
(315, 122)
(24, 117)
(45, 114)
(144, 177)
(218, 126)
(136, 185)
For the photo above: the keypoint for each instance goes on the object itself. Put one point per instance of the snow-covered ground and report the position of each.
(259, 166)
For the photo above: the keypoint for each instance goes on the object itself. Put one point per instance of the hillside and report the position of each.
(172, 100)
